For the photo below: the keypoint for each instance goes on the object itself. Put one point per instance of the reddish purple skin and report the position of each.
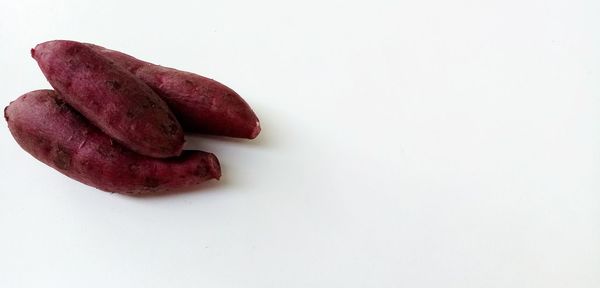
(109, 96)
(201, 104)
(50, 130)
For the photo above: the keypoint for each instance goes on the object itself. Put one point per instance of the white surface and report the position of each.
(404, 144)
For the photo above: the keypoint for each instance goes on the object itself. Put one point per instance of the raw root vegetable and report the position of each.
(111, 98)
(201, 104)
(50, 130)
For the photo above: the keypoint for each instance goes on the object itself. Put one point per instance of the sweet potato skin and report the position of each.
(201, 104)
(50, 130)
(111, 97)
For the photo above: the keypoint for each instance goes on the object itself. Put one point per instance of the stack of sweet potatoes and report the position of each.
(117, 123)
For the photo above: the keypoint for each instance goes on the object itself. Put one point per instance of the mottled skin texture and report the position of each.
(111, 97)
(54, 133)
(201, 104)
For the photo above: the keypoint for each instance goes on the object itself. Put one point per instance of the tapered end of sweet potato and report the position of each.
(255, 131)
(214, 167)
(5, 116)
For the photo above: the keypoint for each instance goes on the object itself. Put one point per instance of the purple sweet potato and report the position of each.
(201, 104)
(111, 98)
(50, 130)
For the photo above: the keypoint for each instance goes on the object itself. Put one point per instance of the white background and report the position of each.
(404, 144)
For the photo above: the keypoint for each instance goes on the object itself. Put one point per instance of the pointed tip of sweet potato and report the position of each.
(214, 167)
(6, 115)
(255, 131)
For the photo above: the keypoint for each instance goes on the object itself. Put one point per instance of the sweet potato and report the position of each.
(110, 97)
(201, 104)
(50, 130)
